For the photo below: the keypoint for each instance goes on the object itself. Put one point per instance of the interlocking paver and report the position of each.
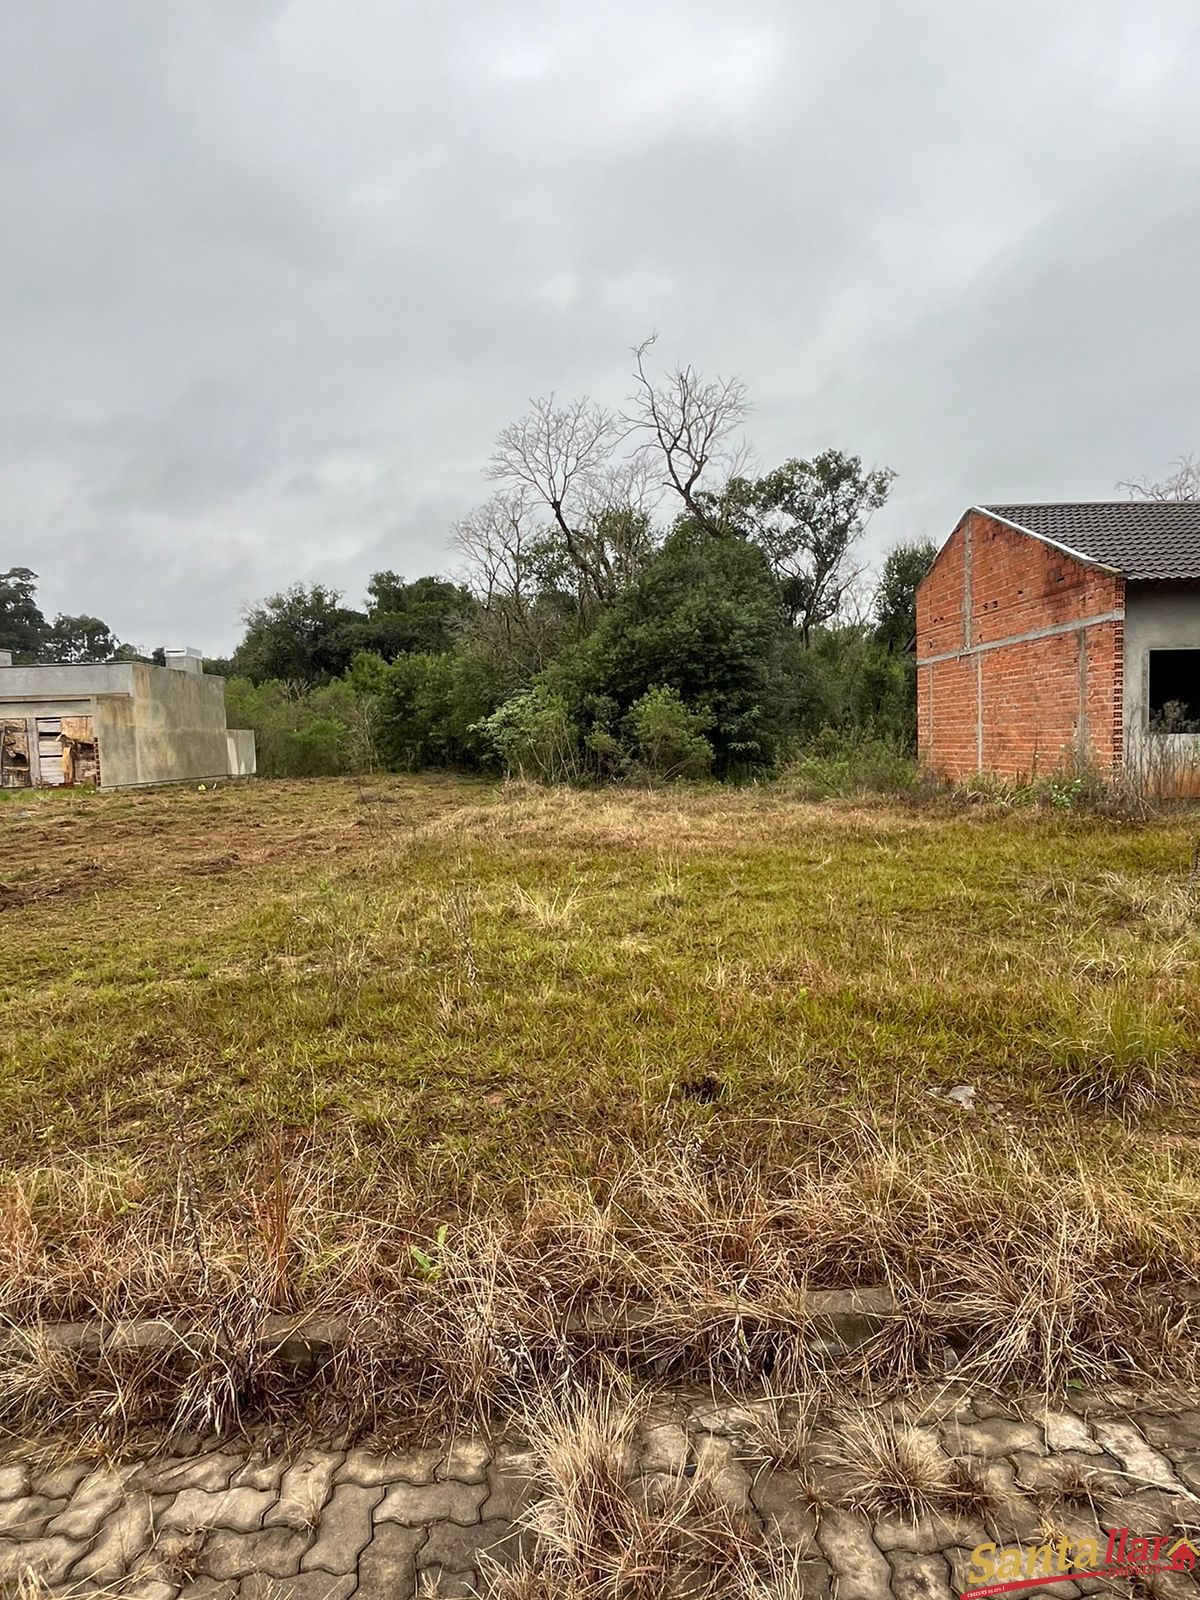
(995, 1436)
(147, 1589)
(1097, 1473)
(1126, 1443)
(1173, 1435)
(1066, 1431)
(458, 1549)
(167, 1474)
(511, 1482)
(239, 1509)
(305, 1586)
(387, 1567)
(925, 1535)
(259, 1472)
(277, 1552)
(345, 1529)
(205, 1588)
(860, 1569)
(809, 1578)
(100, 1493)
(718, 1463)
(920, 1577)
(466, 1460)
(440, 1584)
(304, 1489)
(14, 1481)
(29, 1517)
(50, 1558)
(369, 1470)
(124, 1535)
(778, 1497)
(413, 1504)
(944, 1406)
(729, 1419)
(664, 1447)
(60, 1483)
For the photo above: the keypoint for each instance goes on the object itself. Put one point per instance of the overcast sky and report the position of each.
(273, 273)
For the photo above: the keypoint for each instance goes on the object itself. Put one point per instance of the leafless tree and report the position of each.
(564, 456)
(568, 459)
(687, 423)
(1182, 484)
(501, 543)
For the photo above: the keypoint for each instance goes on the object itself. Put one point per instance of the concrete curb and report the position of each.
(836, 1319)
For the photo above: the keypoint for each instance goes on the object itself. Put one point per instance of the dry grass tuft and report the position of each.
(599, 1531)
(782, 1432)
(905, 1471)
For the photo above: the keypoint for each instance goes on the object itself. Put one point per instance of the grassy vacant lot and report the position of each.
(454, 1060)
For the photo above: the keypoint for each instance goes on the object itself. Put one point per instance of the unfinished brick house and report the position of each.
(1067, 635)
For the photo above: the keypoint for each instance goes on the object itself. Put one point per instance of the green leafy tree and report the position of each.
(297, 636)
(426, 616)
(83, 638)
(23, 628)
(703, 619)
(895, 605)
(806, 517)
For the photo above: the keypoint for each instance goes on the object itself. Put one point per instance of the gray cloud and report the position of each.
(274, 273)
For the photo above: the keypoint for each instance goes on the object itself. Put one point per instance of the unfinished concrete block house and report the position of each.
(1063, 635)
(118, 725)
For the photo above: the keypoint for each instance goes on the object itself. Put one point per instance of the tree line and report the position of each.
(30, 638)
(632, 600)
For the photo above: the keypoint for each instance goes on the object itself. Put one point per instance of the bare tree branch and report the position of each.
(686, 420)
(560, 453)
(1182, 484)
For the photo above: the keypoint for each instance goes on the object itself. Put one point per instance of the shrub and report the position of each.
(430, 709)
(533, 736)
(842, 764)
(668, 736)
(315, 733)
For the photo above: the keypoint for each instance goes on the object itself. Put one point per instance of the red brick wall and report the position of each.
(999, 700)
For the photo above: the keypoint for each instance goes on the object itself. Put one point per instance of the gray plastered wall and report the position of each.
(152, 724)
(1158, 616)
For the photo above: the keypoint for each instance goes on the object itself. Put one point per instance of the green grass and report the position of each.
(400, 1004)
(528, 977)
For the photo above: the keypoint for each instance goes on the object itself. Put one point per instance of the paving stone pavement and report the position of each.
(217, 1522)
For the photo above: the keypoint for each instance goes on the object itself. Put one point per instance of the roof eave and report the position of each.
(1055, 544)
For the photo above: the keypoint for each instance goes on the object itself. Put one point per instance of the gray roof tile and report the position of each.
(1144, 539)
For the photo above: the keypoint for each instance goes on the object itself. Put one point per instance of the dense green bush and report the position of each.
(668, 738)
(304, 734)
(532, 736)
(429, 708)
(703, 620)
(850, 763)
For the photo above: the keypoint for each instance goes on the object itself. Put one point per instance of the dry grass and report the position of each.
(678, 1274)
(782, 1432)
(905, 1471)
(598, 1530)
(527, 1084)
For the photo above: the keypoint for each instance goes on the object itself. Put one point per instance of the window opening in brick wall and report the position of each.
(1174, 702)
